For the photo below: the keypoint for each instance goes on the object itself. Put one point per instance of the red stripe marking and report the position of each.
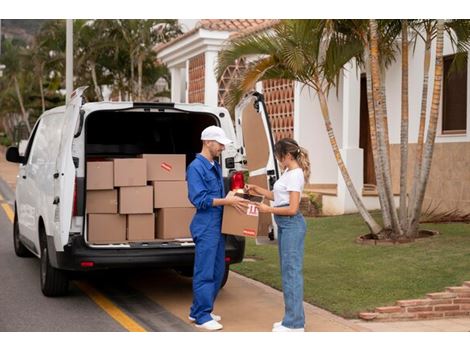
(166, 166)
(249, 232)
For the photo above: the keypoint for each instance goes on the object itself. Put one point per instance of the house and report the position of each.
(295, 112)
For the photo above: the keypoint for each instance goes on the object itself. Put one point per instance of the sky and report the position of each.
(244, 9)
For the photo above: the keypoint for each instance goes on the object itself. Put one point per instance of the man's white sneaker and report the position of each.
(213, 316)
(282, 328)
(277, 324)
(211, 325)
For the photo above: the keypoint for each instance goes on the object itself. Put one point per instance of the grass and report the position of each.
(347, 278)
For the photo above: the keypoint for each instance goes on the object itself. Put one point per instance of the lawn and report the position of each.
(347, 278)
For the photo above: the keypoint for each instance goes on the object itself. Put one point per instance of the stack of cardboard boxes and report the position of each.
(123, 193)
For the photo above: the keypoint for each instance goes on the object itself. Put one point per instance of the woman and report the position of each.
(291, 228)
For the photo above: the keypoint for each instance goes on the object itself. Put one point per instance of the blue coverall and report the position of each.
(205, 183)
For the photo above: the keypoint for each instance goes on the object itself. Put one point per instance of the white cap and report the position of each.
(214, 133)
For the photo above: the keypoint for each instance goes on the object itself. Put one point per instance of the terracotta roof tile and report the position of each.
(231, 25)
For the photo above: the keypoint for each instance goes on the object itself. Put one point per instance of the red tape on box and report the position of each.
(166, 166)
(249, 232)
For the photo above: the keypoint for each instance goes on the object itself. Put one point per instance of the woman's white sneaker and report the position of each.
(277, 324)
(282, 328)
(211, 325)
(213, 316)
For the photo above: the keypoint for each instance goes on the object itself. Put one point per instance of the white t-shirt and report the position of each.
(290, 181)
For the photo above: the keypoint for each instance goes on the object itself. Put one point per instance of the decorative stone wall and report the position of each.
(448, 186)
(196, 81)
(279, 98)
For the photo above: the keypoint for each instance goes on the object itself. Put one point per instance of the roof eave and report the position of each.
(200, 41)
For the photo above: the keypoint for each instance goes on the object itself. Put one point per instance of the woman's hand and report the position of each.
(253, 188)
(263, 208)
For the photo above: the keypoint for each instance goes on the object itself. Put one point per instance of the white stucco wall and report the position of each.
(310, 132)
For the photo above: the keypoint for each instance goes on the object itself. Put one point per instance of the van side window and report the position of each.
(31, 141)
(47, 140)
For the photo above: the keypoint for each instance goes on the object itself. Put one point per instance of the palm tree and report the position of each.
(458, 32)
(287, 54)
(12, 51)
(296, 50)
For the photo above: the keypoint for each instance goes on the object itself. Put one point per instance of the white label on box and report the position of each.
(252, 210)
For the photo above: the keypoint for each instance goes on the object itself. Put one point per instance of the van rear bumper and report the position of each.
(169, 256)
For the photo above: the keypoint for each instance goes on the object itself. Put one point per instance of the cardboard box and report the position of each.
(174, 223)
(136, 200)
(171, 194)
(102, 202)
(130, 172)
(141, 227)
(165, 167)
(247, 224)
(106, 228)
(99, 175)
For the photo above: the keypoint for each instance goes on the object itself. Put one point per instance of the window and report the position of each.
(454, 107)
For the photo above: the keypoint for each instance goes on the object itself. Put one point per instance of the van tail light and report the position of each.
(237, 181)
(75, 206)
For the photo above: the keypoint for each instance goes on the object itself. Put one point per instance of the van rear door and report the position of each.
(64, 176)
(253, 131)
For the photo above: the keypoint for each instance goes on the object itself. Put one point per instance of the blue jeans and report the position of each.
(291, 238)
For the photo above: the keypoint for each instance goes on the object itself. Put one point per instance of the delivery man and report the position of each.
(206, 193)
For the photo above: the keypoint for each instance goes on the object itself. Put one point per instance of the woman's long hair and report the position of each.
(290, 146)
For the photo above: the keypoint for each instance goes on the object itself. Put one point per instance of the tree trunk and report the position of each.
(95, 82)
(404, 128)
(380, 114)
(422, 122)
(373, 136)
(41, 88)
(20, 101)
(139, 77)
(131, 82)
(431, 135)
(369, 220)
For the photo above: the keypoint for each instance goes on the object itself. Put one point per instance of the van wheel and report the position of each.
(227, 270)
(20, 249)
(54, 282)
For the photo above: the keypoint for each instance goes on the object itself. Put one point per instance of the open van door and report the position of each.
(253, 131)
(64, 176)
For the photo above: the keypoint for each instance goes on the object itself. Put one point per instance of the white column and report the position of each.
(186, 86)
(297, 120)
(175, 84)
(350, 151)
(211, 86)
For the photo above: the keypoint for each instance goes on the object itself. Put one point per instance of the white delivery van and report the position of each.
(50, 218)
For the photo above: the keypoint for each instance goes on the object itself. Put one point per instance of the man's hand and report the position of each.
(238, 203)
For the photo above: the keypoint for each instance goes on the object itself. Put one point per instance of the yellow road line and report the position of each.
(8, 211)
(109, 307)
